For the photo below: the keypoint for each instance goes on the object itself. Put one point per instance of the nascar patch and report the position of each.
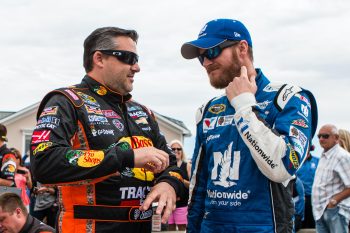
(217, 108)
(52, 110)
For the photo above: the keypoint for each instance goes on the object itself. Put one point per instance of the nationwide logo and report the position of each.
(257, 148)
(232, 195)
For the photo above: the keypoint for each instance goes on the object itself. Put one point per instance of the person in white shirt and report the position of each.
(331, 188)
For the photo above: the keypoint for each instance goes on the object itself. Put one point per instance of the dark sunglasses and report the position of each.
(325, 136)
(176, 149)
(214, 52)
(126, 57)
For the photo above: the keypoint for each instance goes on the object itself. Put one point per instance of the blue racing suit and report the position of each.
(245, 155)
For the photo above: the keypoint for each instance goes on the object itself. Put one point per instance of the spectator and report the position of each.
(23, 177)
(344, 139)
(331, 188)
(249, 141)
(7, 160)
(45, 204)
(14, 217)
(306, 174)
(178, 218)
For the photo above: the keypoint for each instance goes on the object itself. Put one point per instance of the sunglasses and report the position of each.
(176, 149)
(325, 136)
(126, 57)
(214, 52)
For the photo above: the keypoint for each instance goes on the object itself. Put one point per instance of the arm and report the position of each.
(278, 152)
(342, 169)
(8, 168)
(54, 158)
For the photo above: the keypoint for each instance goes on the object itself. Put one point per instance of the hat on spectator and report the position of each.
(213, 34)
(3, 133)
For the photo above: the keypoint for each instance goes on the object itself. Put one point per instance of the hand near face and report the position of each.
(241, 84)
(151, 159)
(165, 194)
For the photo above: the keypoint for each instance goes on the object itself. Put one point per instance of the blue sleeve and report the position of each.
(294, 123)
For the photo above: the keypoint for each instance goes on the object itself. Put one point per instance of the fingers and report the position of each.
(244, 71)
(151, 159)
(169, 205)
(151, 197)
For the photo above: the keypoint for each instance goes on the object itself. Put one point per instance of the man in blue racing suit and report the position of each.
(249, 142)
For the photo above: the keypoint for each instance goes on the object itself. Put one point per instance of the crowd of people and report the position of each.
(98, 160)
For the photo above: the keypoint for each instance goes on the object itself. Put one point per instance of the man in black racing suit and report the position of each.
(103, 150)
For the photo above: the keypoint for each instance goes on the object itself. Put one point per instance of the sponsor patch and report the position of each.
(118, 124)
(217, 108)
(176, 175)
(137, 141)
(138, 114)
(93, 110)
(224, 120)
(41, 136)
(88, 99)
(297, 146)
(286, 93)
(294, 132)
(101, 90)
(110, 114)
(209, 123)
(52, 110)
(141, 120)
(41, 147)
(304, 110)
(264, 104)
(97, 118)
(134, 108)
(71, 93)
(293, 157)
(212, 137)
(87, 158)
(300, 122)
(102, 132)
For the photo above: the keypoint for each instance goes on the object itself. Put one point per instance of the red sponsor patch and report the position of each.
(300, 122)
(111, 114)
(41, 136)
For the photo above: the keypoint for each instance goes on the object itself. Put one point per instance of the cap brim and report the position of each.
(190, 49)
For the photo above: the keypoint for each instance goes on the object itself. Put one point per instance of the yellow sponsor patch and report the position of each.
(41, 147)
(142, 174)
(293, 158)
(177, 175)
(11, 168)
(90, 158)
(137, 142)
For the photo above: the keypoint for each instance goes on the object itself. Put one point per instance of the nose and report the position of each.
(206, 62)
(136, 68)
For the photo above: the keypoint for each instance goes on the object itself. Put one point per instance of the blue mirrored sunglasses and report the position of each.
(214, 52)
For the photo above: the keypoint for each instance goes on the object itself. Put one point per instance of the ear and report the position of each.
(97, 59)
(243, 47)
(18, 212)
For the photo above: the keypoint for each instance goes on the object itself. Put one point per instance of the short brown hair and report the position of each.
(9, 202)
(102, 39)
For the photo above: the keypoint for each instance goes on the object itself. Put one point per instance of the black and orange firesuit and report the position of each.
(83, 143)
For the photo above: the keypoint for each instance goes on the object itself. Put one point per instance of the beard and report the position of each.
(221, 76)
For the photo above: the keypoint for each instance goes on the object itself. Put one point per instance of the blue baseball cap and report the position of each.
(214, 33)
